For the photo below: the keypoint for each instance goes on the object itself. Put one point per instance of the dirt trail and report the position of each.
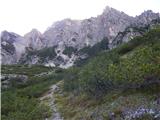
(49, 96)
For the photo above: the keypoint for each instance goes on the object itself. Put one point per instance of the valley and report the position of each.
(102, 68)
(118, 84)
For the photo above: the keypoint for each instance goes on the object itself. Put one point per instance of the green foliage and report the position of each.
(24, 69)
(94, 50)
(71, 77)
(69, 51)
(36, 86)
(132, 65)
(93, 77)
(16, 82)
(22, 103)
(83, 106)
(151, 36)
(80, 62)
(43, 54)
(47, 52)
(21, 107)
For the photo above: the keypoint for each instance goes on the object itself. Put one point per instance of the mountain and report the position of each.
(115, 73)
(64, 40)
(12, 47)
(90, 31)
(118, 84)
(34, 39)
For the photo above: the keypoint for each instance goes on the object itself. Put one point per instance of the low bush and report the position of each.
(69, 51)
(111, 70)
(22, 102)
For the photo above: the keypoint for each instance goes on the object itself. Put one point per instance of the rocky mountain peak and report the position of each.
(147, 13)
(111, 12)
(12, 47)
(34, 39)
(9, 37)
(34, 31)
(68, 35)
(146, 17)
(107, 9)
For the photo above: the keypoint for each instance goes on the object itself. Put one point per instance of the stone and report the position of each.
(117, 26)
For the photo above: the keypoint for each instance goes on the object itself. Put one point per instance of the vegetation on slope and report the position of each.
(127, 77)
(69, 51)
(24, 69)
(92, 51)
(131, 65)
(109, 84)
(43, 54)
(21, 102)
(116, 102)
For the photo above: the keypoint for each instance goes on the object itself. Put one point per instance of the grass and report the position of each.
(84, 107)
(22, 102)
(124, 78)
(24, 69)
(105, 85)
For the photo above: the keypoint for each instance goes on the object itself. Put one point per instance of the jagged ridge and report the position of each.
(76, 34)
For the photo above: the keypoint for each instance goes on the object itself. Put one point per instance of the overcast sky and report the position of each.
(20, 16)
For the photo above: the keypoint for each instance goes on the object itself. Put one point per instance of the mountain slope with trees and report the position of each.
(116, 84)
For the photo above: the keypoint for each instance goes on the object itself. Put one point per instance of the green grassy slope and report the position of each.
(131, 65)
(111, 82)
(21, 101)
(125, 77)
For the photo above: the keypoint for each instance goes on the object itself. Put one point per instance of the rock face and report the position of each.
(8, 80)
(34, 39)
(146, 18)
(90, 31)
(12, 47)
(117, 26)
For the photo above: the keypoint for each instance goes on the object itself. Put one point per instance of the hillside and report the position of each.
(22, 86)
(101, 68)
(118, 84)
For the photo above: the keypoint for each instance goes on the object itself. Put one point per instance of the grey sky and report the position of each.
(21, 16)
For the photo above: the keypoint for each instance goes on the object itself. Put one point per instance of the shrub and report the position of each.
(22, 108)
(69, 51)
(21, 103)
(71, 79)
(111, 70)
(94, 50)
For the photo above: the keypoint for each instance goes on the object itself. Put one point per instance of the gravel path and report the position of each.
(51, 101)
